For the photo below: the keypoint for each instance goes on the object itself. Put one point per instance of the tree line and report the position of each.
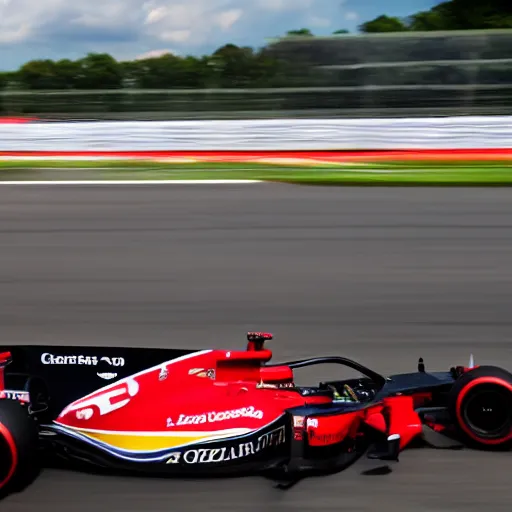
(231, 66)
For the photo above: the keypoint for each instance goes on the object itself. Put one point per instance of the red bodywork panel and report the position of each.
(403, 419)
(221, 393)
(395, 415)
(5, 359)
(327, 430)
(213, 390)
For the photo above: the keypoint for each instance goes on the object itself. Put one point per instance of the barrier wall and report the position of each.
(261, 135)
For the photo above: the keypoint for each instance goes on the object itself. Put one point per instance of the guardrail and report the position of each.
(383, 100)
(253, 135)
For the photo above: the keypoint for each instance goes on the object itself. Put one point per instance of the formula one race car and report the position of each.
(220, 412)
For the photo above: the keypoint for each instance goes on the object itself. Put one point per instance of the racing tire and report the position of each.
(480, 403)
(19, 462)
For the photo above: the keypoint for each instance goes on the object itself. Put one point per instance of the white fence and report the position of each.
(277, 134)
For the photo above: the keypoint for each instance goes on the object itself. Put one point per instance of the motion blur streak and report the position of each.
(381, 275)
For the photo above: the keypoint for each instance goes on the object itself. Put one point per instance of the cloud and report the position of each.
(152, 54)
(156, 15)
(227, 19)
(14, 35)
(351, 16)
(57, 28)
(178, 36)
(316, 21)
(289, 5)
(193, 21)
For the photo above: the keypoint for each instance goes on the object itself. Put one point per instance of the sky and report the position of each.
(130, 29)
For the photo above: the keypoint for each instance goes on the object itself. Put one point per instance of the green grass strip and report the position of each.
(386, 173)
(144, 165)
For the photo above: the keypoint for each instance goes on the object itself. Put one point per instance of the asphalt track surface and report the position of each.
(382, 275)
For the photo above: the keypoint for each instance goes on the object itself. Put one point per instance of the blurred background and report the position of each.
(377, 274)
(432, 63)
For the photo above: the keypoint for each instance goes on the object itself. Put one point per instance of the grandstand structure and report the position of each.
(406, 74)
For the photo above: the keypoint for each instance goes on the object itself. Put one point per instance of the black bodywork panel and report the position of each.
(81, 375)
(416, 382)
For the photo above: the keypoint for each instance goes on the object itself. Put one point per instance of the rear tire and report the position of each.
(19, 461)
(480, 403)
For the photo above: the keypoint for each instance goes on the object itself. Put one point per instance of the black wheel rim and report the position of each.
(487, 411)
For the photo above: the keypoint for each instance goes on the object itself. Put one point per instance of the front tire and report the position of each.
(480, 404)
(19, 461)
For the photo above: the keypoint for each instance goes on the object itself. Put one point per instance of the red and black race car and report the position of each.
(220, 412)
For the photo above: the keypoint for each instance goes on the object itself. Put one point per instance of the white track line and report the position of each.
(85, 158)
(131, 182)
